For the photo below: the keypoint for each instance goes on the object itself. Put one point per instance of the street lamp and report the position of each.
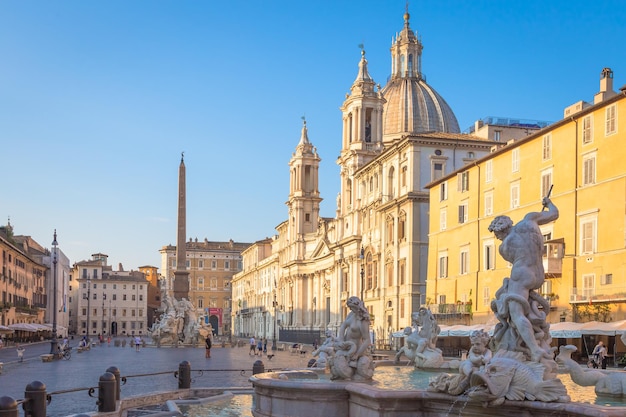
(54, 341)
(275, 304)
(88, 306)
(362, 256)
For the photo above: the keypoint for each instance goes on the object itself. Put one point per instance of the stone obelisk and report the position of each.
(181, 276)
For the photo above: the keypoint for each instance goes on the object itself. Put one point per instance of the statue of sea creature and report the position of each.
(508, 376)
(612, 383)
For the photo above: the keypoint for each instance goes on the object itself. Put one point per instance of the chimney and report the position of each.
(606, 86)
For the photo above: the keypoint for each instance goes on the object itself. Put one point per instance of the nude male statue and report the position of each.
(522, 246)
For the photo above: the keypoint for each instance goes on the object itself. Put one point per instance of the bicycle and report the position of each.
(594, 361)
(65, 353)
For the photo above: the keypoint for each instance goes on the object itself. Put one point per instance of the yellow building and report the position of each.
(581, 160)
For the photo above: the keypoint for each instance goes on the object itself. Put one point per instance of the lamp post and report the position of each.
(362, 256)
(275, 305)
(54, 341)
(88, 306)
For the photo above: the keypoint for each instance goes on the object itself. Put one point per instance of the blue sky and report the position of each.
(99, 98)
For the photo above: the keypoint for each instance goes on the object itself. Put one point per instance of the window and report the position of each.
(212, 302)
(443, 215)
(213, 283)
(515, 160)
(443, 191)
(515, 195)
(464, 261)
(389, 229)
(497, 135)
(114, 297)
(587, 129)
(589, 285)
(307, 217)
(402, 271)
(463, 181)
(489, 250)
(486, 297)
(200, 302)
(391, 191)
(213, 264)
(611, 120)
(463, 212)
(488, 171)
(226, 265)
(443, 265)
(606, 279)
(437, 170)
(389, 272)
(123, 297)
(547, 147)
(589, 169)
(442, 299)
(200, 264)
(140, 297)
(402, 226)
(488, 203)
(133, 297)
(187, 263)
(402, 308)
(403, 176)
(546, 182)
(200, 283)
(588, 236)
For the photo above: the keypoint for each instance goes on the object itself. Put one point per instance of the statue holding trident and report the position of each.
(522, 326)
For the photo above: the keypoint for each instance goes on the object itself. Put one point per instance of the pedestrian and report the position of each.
(265, 345)
(315, 344)
(1, 343)
(109, 341)
(207, 342)
(137, 343)
(252, 346)
(600, 352)
(259, 347)
(20, 353)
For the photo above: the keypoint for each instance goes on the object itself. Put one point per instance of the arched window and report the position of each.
(391, 192)
(402, 65)
(349, 190)
(410, 69)
(402, 226)
(389, 228)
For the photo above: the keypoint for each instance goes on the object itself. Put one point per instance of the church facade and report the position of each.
(395, 141)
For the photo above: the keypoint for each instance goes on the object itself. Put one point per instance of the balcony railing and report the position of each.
(598, 295)
(456, 308)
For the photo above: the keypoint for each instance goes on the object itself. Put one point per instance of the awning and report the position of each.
(5, 330)
(28, 327)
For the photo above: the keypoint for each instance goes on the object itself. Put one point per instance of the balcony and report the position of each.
(553, 258)
(617, 294)
(457, 313)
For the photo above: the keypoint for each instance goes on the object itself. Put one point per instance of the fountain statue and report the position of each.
(350, 357)
(611, 383)
(178, 323)
(325, 350)
(420, 344)
(523, 366)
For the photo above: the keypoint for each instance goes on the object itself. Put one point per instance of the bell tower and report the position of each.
(304, 196)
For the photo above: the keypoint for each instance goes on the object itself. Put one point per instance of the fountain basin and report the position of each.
(283, 394)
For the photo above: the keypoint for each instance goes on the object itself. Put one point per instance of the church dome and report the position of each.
(411, 105)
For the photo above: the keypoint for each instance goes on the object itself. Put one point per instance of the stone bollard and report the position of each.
(184, 375)
(35, 400)
(116, 372)
(106, 393)
(8, 407)
(258, 367)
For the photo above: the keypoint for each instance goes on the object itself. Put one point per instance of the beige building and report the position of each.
(211, 266)
(581, 160)
(395, 140)
(106, 302)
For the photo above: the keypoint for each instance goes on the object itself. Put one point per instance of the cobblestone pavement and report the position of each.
(149, 370)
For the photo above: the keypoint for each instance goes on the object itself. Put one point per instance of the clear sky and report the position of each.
(99, 98)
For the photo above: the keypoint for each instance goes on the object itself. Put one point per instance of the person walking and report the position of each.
(207, 343)
(137, 343)
(600, 352)
(265, 345)
(20, 353)
(252, 346)
(259, 347)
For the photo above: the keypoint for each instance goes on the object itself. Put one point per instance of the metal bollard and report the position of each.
(106, 392)
(115, 371)
(184, 375)
(258, 367)
(8, 407)
(35, 396)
